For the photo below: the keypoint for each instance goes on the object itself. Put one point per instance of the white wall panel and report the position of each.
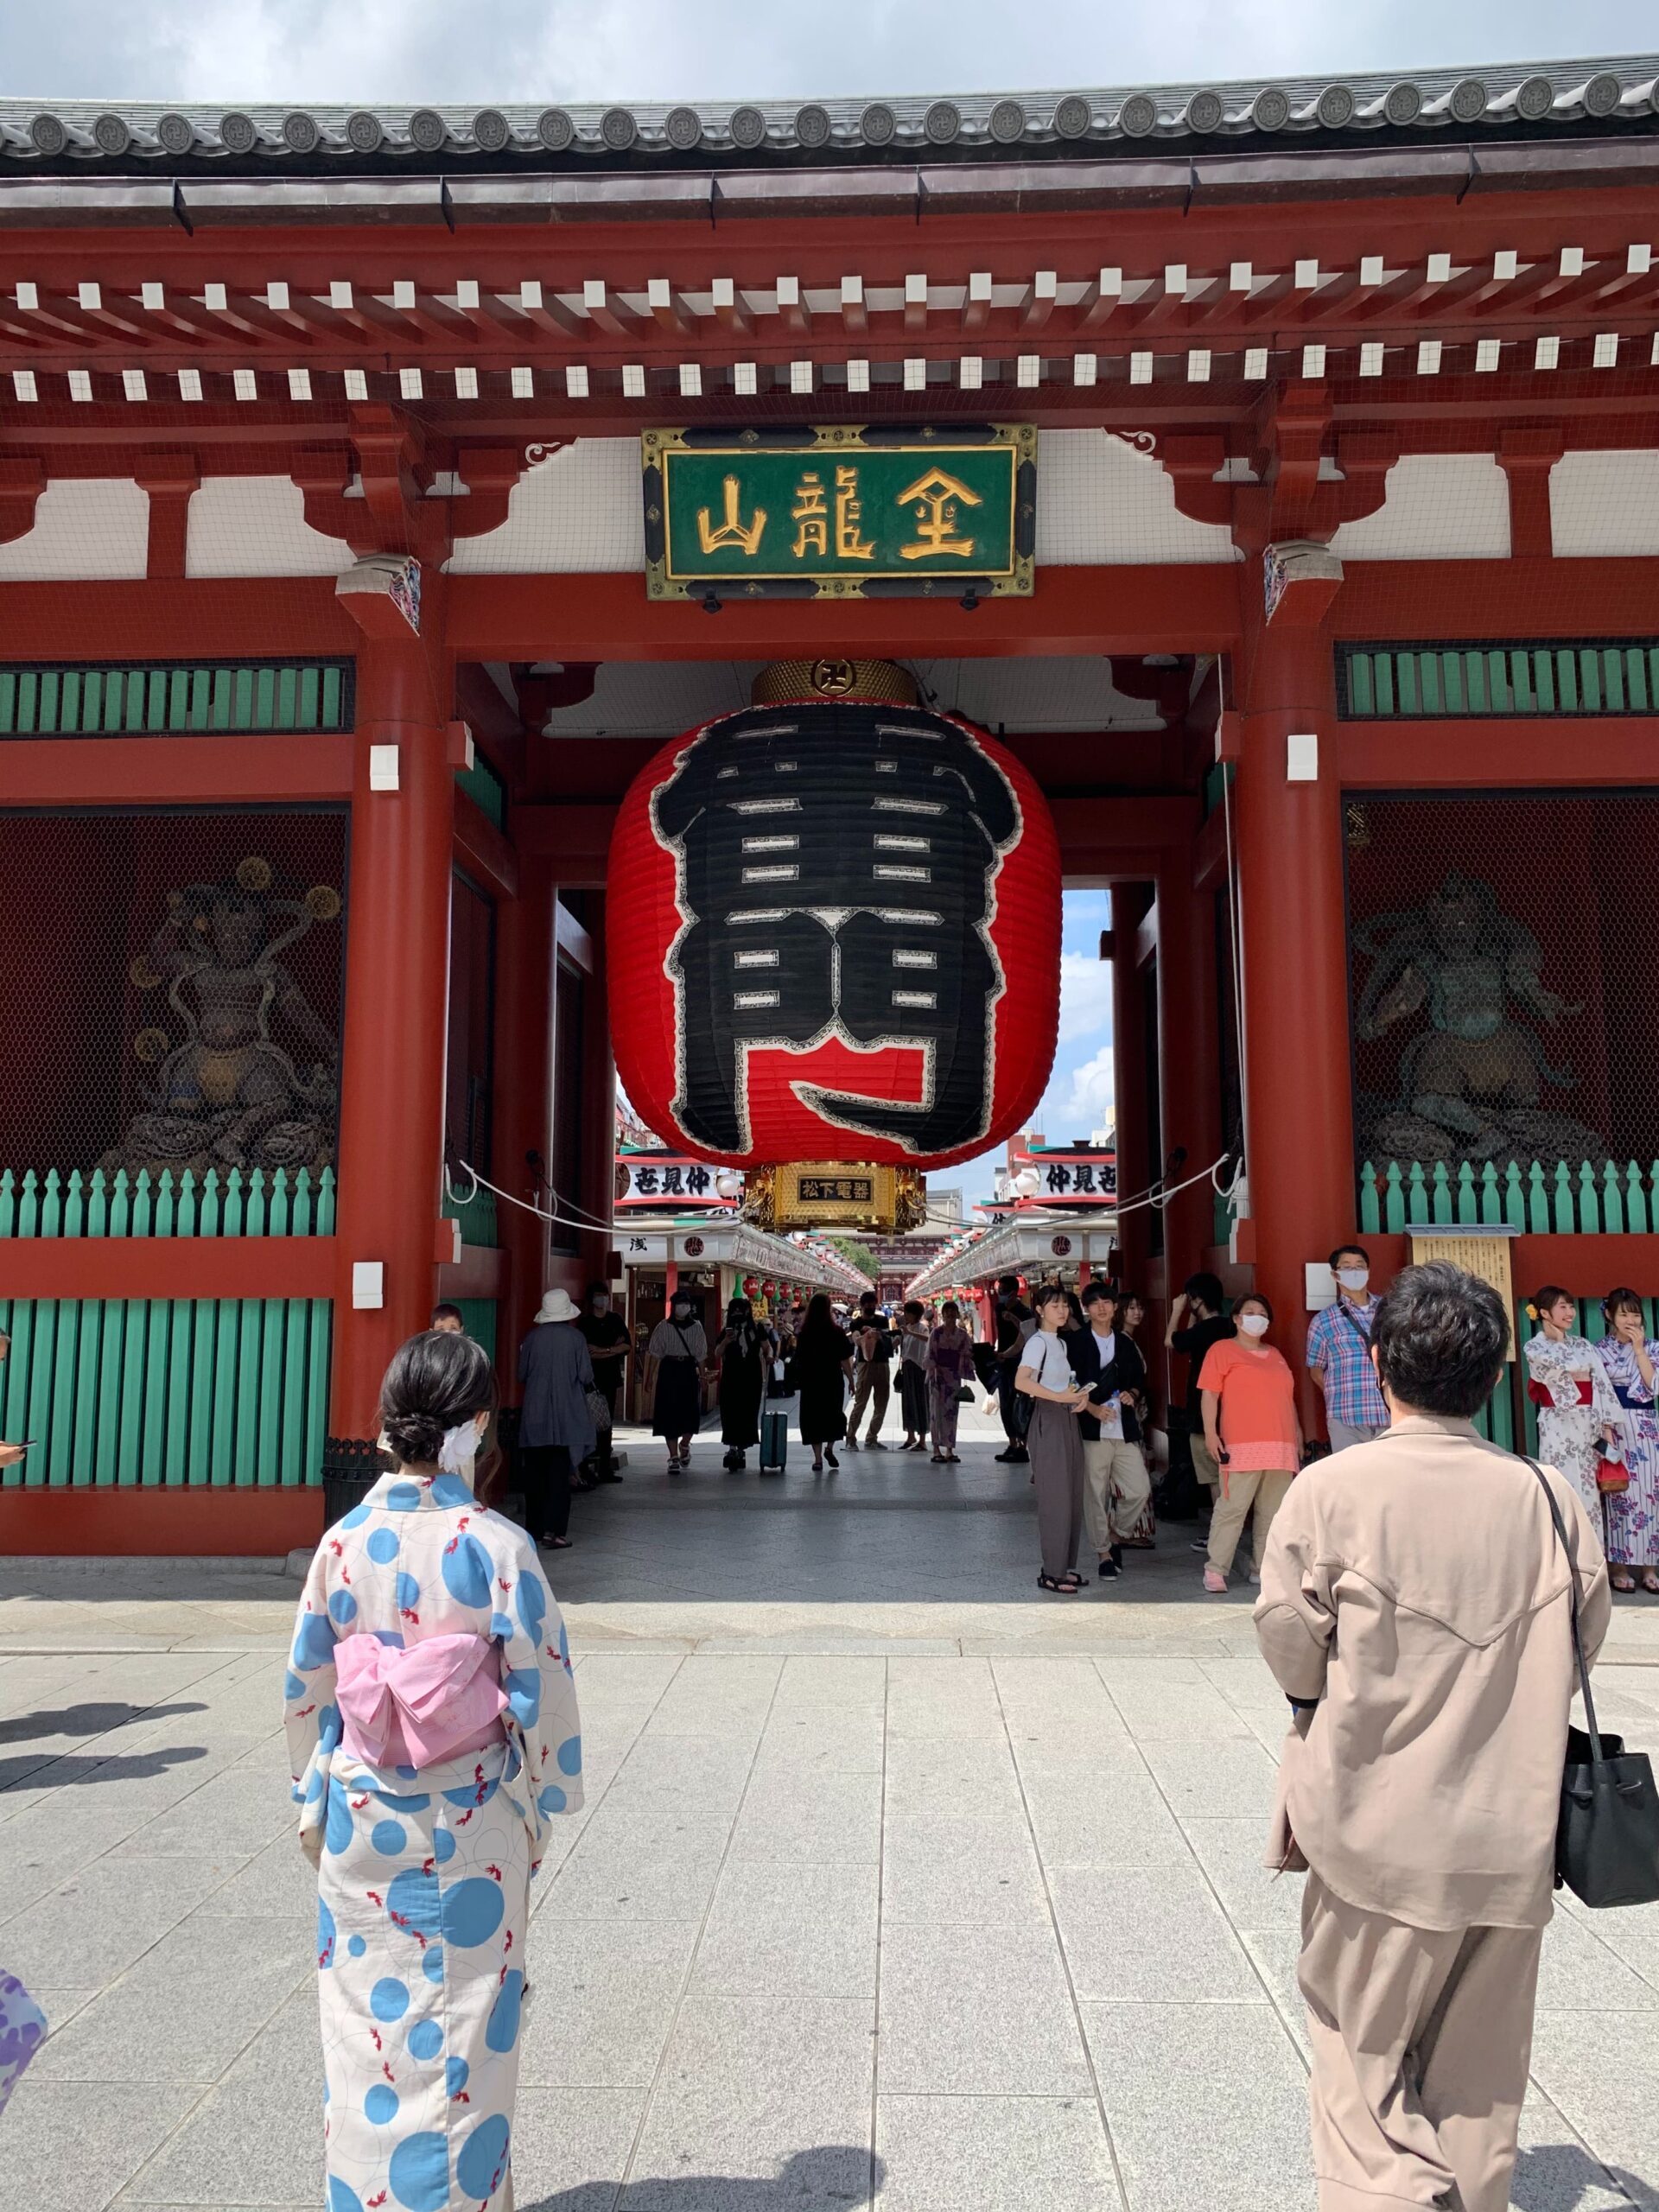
(581, 513)
(255, 526)
(1099, 500)
(85, 528)
(1604, 502)
(1439, 506)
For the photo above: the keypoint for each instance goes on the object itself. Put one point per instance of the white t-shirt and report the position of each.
(1048, 1359)
(1111, 1420)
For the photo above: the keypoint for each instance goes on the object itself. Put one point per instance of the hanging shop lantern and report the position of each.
(834, 935)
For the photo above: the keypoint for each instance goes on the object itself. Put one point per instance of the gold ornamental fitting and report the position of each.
(880, 681)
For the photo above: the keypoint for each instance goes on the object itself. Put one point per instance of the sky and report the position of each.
(500, 51)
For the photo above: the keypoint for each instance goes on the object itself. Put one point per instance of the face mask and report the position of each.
(1254, 1324)
(1354, 1279)
(681, 1312)
(601, 1306)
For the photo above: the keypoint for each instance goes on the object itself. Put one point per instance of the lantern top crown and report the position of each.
(1497, 102)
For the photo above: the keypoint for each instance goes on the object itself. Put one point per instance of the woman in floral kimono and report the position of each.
(1577, 1410)
(1631, 1361)
(433, 1733)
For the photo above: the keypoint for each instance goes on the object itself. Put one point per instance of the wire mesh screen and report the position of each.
(1497, 947)
(171, 988)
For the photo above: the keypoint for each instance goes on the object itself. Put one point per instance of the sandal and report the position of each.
(1623, 1580)
(1060, 1586)
(1650, 1581)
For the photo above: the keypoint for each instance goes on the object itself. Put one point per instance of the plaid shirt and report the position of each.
(1339, 1344)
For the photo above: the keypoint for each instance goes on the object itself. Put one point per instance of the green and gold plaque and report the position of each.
(840, 512)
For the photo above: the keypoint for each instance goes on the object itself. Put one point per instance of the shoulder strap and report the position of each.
(1591, 1729)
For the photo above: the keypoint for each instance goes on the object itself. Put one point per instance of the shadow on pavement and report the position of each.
(831, 2177)
(1557, 2177)
(62, 1773)
(86, 1720)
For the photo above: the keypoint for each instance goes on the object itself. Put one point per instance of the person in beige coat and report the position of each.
(1414, 1608)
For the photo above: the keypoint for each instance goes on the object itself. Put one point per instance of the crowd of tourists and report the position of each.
(1425, 1597)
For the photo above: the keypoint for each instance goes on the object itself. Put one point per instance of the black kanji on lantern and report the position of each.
(835, 867)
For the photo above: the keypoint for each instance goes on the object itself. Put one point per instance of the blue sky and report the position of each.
(1078, 1097)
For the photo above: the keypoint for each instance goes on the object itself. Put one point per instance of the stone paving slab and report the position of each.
(927, 1923)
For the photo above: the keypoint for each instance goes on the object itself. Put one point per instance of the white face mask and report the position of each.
(1254, 1324)
(1354, 1279)
(601, 1306)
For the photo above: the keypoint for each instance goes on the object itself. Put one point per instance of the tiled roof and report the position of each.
(1513, 99)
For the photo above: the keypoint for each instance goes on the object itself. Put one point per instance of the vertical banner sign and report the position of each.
(840, 512)
(833, 933)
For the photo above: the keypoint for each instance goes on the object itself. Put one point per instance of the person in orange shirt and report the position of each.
(1253, 1432)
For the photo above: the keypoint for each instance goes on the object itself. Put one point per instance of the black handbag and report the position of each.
(1607, 1839)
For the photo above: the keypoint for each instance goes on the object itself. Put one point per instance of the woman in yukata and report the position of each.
(433, 1734)
(1578, 1414)
(1630, 1360)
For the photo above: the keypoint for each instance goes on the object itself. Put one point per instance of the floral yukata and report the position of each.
(1633, 1515)
(1571, 1413)
(424, 1870)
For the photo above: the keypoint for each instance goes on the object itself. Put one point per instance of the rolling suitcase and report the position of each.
(774, 1441)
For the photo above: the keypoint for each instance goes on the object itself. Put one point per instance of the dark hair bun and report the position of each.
(415, 1438)
(436, 1381)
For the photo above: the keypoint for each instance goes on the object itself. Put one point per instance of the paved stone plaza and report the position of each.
(896, 1883)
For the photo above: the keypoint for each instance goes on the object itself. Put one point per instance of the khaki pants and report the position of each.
(1242, 1487)
(1421, 2039)
(1115, 1487)
(1203, 1466)
(870, 1388)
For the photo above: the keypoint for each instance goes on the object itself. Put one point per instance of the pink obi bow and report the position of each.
(417, 1706)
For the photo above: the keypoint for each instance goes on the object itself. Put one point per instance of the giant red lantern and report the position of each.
(833, 933)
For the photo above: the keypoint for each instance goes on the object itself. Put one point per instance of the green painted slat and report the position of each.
(1370, 1218)
(1537, 1201)
(28, 691)
(29, 1204)
(201, 698)
(134, 1366)
(86, 1390)
(46, 715)
(1589, 678)
(221, 709)
(325, 1204)
(1635, 1201)
(142, 1197)
(333, 699)
(180, 1367)
(137, 707)
(1362, 696)
(158, 1368)
(8, 1203)
(264, 698)
(1467, 1213)
(1612, 1202)
(42, 1374)
(97, 1205)
(8, 702)
(1564, 1224)
(320, 1331)
(204, 1368)
(59, 1438)
(227, 1353)
(106, 1448)
(1589, 1204)
(252, 1317)
(1394, 1217)
(273, 1366)
(309, 704)
(1514, 1201)
(242, 684)
(1612, 679)
(1544, 670)
(51, 1222)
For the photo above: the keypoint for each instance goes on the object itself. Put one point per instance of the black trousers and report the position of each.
(546, 1469)
(1007, 1397)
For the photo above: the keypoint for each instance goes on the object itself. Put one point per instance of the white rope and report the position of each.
(483, 1182)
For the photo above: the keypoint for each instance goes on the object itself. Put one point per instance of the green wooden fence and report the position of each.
(151, 698)
(258, 1204)
(1616, 1200)
(166, 1390)
(476, 1214)
(1468, 680)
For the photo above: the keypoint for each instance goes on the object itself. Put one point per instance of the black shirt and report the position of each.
(1011, 1332)
(605, 1332)
(881, 1353)
(1195, 1342)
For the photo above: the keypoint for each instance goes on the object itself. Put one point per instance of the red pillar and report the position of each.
(598, 1192)
(396, 991)
(524, 998)
(1188, 1060)
(1135, 1165)
(1298, 1090)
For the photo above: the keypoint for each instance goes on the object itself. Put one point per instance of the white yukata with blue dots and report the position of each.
(423, 1875)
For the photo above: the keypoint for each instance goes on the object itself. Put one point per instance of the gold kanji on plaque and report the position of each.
(810, 516)
(733, 530)
(937, 499)
(850, 513)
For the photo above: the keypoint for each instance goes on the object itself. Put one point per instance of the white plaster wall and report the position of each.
(1101, 501)
(1439, 506)
(255, 526)
(85, 527)
(581, 513)
(1604, 502)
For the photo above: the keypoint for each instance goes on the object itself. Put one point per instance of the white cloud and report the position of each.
(1085, 996)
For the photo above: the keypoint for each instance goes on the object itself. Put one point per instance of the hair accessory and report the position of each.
(459, 1449)
(1532, 1311)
